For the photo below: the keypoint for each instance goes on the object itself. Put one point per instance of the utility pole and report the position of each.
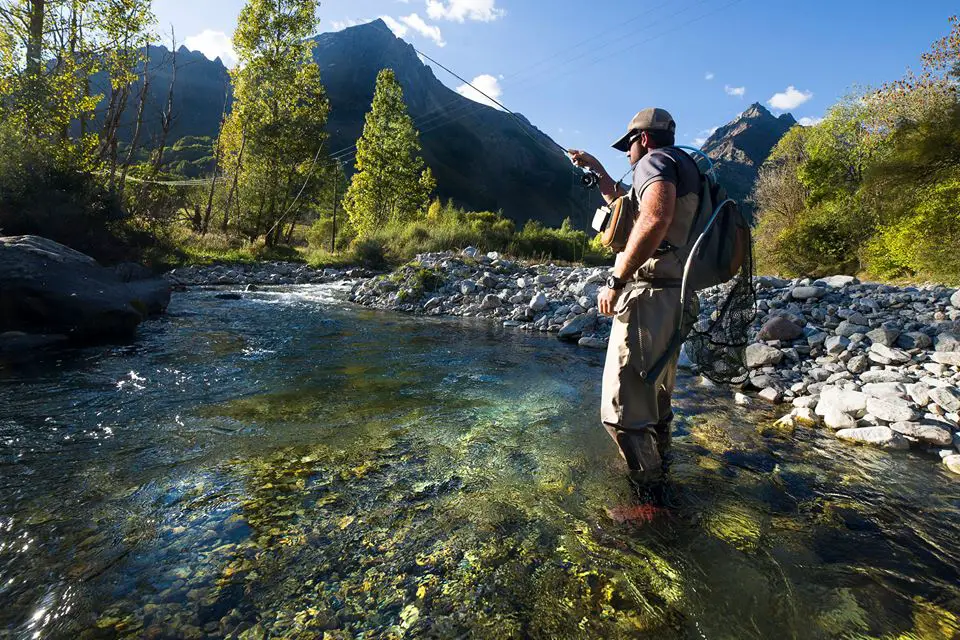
(336, 184)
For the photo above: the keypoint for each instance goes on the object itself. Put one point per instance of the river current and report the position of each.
(288, 465)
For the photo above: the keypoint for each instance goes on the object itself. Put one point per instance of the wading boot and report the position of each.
(642, 454)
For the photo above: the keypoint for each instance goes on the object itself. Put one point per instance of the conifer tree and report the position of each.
(392, 183)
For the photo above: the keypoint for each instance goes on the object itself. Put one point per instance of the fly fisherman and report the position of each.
(643, 294)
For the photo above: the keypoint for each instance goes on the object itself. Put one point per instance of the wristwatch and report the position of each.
(615, 283)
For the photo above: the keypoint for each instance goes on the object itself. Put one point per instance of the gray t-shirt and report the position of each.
(676, 167)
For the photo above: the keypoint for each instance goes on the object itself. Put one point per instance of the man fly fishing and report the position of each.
(644, 293)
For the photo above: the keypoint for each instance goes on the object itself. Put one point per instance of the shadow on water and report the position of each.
(287, 466)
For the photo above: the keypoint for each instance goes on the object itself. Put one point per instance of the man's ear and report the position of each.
(645, 139)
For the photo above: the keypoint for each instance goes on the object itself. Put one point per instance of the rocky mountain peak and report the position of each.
(742, 145)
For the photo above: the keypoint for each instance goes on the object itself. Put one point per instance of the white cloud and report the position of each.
(416, 23)
(789, 99)
(340, 25)
(485, 83)
(213, 44)
(739, 92)
(809, 122)
(704, 136)
(709, 76)
(460, 10)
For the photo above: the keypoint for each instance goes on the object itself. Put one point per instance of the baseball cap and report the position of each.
(652, 119)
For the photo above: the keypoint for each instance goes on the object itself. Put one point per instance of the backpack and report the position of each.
(719, 250)
(720, 238)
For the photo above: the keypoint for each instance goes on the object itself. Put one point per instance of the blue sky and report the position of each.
(580, 70)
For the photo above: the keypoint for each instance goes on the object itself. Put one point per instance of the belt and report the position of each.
(660, 283)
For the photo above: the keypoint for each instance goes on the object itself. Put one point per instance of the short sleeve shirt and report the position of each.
(676, 167)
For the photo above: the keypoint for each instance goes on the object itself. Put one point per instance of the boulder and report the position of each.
(952, 463)
(883, 336)
(490, 301)
(48, 288)
(891, 410)
(879, 436)
(836, 344)
(914, 340)
(947, 343)
(949, 359)
(807, 293)
(884, 389)
(947, 398)
(779, 328)
(761, 355)
(468, 287)
(842, 401)
(771, 395)
(574, 328)
(847, 329)
(538, 302)
(925, 433)
(955, 299)
(837, 420)
(838, 282)
(590, 342)
(885, 355)
(881, 375)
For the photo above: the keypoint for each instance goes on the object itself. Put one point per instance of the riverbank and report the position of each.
(873, 364)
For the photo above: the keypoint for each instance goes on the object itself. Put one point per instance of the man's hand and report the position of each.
(607, 300)
(586, 161)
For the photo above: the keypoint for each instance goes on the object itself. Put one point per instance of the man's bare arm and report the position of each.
(657, 208)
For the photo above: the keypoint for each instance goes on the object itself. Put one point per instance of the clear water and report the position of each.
(290, 466)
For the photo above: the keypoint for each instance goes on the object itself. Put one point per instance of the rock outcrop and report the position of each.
(47, 289)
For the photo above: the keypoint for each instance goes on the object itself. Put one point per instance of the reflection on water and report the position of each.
(284, 466)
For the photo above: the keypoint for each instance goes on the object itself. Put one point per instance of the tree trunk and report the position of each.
(216, 170)
(139, 125)
(236, 178)
(35, 38)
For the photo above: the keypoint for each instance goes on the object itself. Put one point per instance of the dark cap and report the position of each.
(651, 119)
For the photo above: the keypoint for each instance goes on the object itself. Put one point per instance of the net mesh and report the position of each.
(717, 343)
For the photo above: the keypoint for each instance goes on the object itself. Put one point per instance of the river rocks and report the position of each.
(955, 299)
(881, 375)
(761, 355)
(841, 401)
(883, 336)
(47, 288)
(574, 327)
(591, 342)
(946, 398)
(838, 282)
(836, 344)
(891, 409)
(878, 436)
(885, 355)
(779, 328)
(947, 343)
(914, 340)
(490, 301)
(538, 302)
(771, 395)
(949, 359)
(847, 329)
(807, 293)
(952, 463)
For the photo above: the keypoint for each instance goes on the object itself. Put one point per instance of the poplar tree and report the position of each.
(392, 182)
(276, 128)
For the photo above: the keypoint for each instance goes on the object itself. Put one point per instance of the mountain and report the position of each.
(741, 146)
(199, 92)
(483, 158)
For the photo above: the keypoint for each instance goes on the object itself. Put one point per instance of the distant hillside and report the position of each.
(741, 146)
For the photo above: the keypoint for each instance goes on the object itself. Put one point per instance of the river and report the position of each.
(288, 465)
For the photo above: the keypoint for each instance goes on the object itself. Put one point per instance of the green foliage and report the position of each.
(279, 116)
(391, 184)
